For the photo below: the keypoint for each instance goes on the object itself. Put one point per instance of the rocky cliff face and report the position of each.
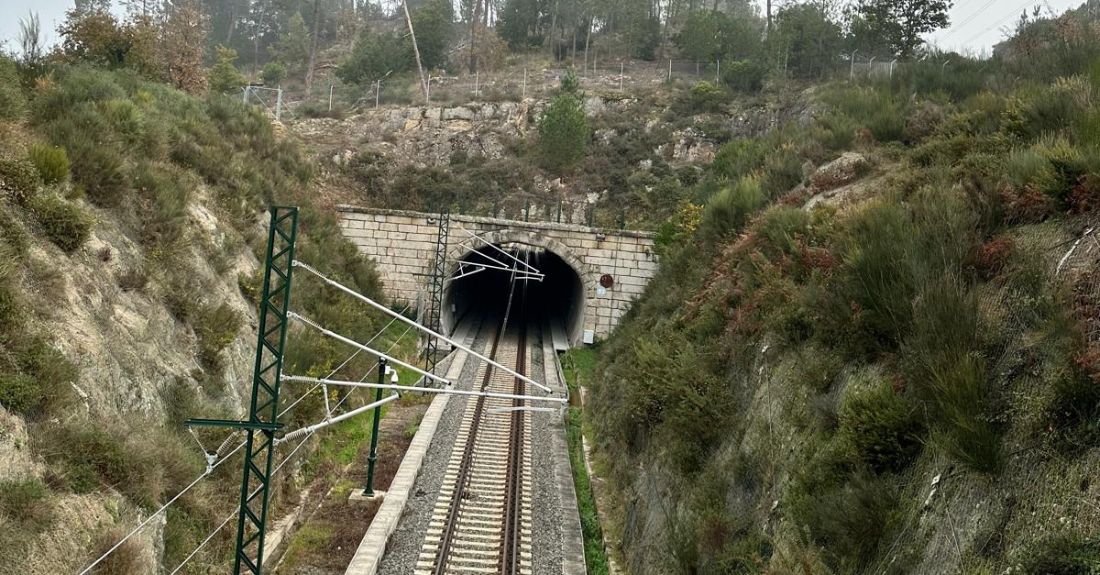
(133, 356)
(424, 138)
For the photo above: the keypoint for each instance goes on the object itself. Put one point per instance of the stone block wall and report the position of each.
(403, 243)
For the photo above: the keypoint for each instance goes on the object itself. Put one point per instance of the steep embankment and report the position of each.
(130, 219)
(886, 367)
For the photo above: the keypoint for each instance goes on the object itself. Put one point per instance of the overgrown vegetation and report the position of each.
(863, 347)
(579, 365)
(96, 151)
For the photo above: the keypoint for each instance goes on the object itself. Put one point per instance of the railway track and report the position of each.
(482, 516)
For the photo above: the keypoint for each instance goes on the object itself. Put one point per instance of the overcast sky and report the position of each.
(976, 25)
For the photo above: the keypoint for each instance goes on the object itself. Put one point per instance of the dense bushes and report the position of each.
(877, 340)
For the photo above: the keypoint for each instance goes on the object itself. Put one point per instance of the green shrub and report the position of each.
(883, 426)
(1050, 109)
(873, 109)
(20, 393)
(839, 130)
(1064, 553)
(782, 171)
(744, 75)
(12, 101)
(739, 158)
(943, 360)
(27, 502)
(66, 224)
(18, 179)
(845, 510)
(51, 162)
(881, 274)
(163, 194)
(273, 73)
(40, 379)
(216, 327)
(703, 97)
(100, 172)
(730, 209)
(85, 458)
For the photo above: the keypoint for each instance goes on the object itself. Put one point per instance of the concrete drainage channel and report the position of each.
(394, 540)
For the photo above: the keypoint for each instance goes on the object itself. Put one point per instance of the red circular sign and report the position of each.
(607, 281)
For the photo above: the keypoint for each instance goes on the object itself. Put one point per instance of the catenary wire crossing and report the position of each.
(264, 433)
(222, 459)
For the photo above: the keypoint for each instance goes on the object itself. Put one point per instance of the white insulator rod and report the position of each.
(404, 388)
(418, 326)
(369, 350)
(333, 421)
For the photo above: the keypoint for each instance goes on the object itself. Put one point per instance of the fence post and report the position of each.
(330, 87)
(670, 69)
(852, 70)
(620, 76)
(428, 91)
(718, 72)
(377, 91)
(893, 64)
(477, 82)
(279, 105)
(245, 95)
(524, 96)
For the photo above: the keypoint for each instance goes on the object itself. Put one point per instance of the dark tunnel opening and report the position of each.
(475, 292)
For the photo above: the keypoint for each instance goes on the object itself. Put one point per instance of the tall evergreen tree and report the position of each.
(563, 129)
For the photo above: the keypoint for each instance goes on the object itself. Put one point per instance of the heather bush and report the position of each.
(65, 223)
(51, 162)
(19, 181)
(882, 425)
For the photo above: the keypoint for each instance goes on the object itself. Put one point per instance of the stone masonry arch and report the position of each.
(585, 273)
(403, 244)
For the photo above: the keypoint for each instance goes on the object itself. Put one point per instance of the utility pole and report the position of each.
(416, 51)
(262, 422)
(383, 367)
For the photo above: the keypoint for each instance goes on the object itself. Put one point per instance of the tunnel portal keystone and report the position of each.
(403, 245)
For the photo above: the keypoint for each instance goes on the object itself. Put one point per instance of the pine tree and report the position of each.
(224, 76)
(563, 129)
(292, 48)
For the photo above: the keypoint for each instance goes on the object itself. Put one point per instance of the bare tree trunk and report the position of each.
(313, 46)
(232, 22)
(474, 23)
(553, 28)
(587, 38)
(769, 28)
(416, 51)
(256, 40)
(573, 60)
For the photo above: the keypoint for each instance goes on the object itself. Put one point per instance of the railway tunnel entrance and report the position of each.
(478, 289)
